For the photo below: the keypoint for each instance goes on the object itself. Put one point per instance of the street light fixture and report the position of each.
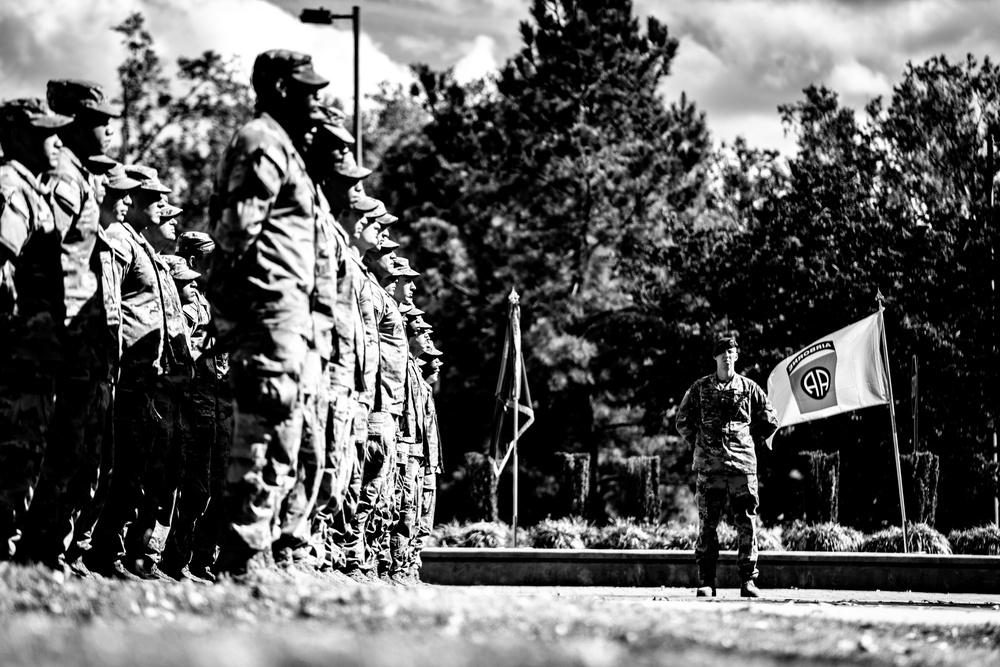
(324, 16)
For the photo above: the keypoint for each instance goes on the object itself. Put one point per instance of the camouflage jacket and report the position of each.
(77, 217)
(143, 317)
(368, 355)
(412, 425)
(347, 360)
(724, 421)
(432, 433)
(31, 302)
(393, 351)
(264, 218)
(178, 363)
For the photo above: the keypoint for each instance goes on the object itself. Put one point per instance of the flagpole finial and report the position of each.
(879, 298)
(513, 297)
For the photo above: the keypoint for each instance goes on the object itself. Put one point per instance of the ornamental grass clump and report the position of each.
(978, 541)
(827, 536)
(674, 537)
(623, 535)
(769, 539)
(922, 539)
(558, 534)
(485, 535)
(451, 534)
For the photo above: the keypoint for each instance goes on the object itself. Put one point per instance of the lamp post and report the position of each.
(992, 222)
(324, 16)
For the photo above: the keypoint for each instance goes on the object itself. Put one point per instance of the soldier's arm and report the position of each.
(764, 419)
(689, 416)
(15, 228)
(250, 191)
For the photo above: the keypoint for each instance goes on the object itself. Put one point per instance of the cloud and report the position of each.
(478, 61)
(43, 39)
(740, 59)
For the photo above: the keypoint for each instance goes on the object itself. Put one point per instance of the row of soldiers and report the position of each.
(178, 407)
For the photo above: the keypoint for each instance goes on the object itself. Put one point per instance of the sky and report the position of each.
(738, 59)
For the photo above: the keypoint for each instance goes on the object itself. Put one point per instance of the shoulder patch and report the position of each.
(68, 196)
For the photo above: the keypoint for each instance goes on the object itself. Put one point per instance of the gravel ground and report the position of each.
(299, 619)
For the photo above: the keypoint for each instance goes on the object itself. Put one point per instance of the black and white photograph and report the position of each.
(503, 333)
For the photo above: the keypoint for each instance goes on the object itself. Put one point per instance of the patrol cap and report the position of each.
(348, 168)
(31, 112)
(389, 245)
(333, 126)
(280, 64)
(417, 323)
(421, 362)
(170, 211)
(73, 96)
(117, 179)
(179, 269)
(381, 214)
(723, 344)
(195, 243)
(401, 267)
(433, 351)
(100, 164)
(148, 180)
(415, 311)
(365, 205)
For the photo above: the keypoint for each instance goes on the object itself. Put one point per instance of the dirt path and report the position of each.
(307, 620)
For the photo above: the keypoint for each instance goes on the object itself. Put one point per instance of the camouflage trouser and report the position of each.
(407, 501)
(339, 451)
(206, 531)
(135, 432)
(26, 409)
(71, 470)
(298, 510)
(196, 431)
(384, 518)
(268, 420)
(361, 544)
(425, 520)
(87, 522)
(159, 475)
(339, 526)
(713, 489)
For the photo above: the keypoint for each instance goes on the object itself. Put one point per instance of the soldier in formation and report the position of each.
(258, 395)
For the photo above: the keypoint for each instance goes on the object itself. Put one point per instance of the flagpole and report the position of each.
(516, 401)
(892, 417)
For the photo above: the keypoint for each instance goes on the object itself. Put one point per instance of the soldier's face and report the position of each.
(725, 362)
(168, 229)
(93, 133)
(302, 105)
(188, 293)
(114, 206)
(148, 208)
(370, 232)
(404, 291)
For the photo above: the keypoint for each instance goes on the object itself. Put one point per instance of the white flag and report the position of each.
(837, 373)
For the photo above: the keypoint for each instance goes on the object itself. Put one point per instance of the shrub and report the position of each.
(486, 535)
(451, 534)
(821, 537)
(673, 537)
(922, 539)
(623, 534)
(558, 534)
(978, 541)
(769, 539)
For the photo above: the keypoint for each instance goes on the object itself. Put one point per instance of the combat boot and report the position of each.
(706, 589)
(749, 590)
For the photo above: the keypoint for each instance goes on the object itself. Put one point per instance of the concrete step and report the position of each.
(778, 569)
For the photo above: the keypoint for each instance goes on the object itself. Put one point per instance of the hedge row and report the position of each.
(578, 534)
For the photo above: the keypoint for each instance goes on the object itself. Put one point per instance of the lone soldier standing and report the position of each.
(261, 278)
(724, 415)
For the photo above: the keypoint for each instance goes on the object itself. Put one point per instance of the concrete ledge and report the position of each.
(778, 569)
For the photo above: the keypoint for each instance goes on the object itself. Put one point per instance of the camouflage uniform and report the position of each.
(412, 463)
(144, 362)
(344, 538)
(31, 311)
(724, 420)
(261, 283)
(89, 338)
(428, 487)
(196, 428)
